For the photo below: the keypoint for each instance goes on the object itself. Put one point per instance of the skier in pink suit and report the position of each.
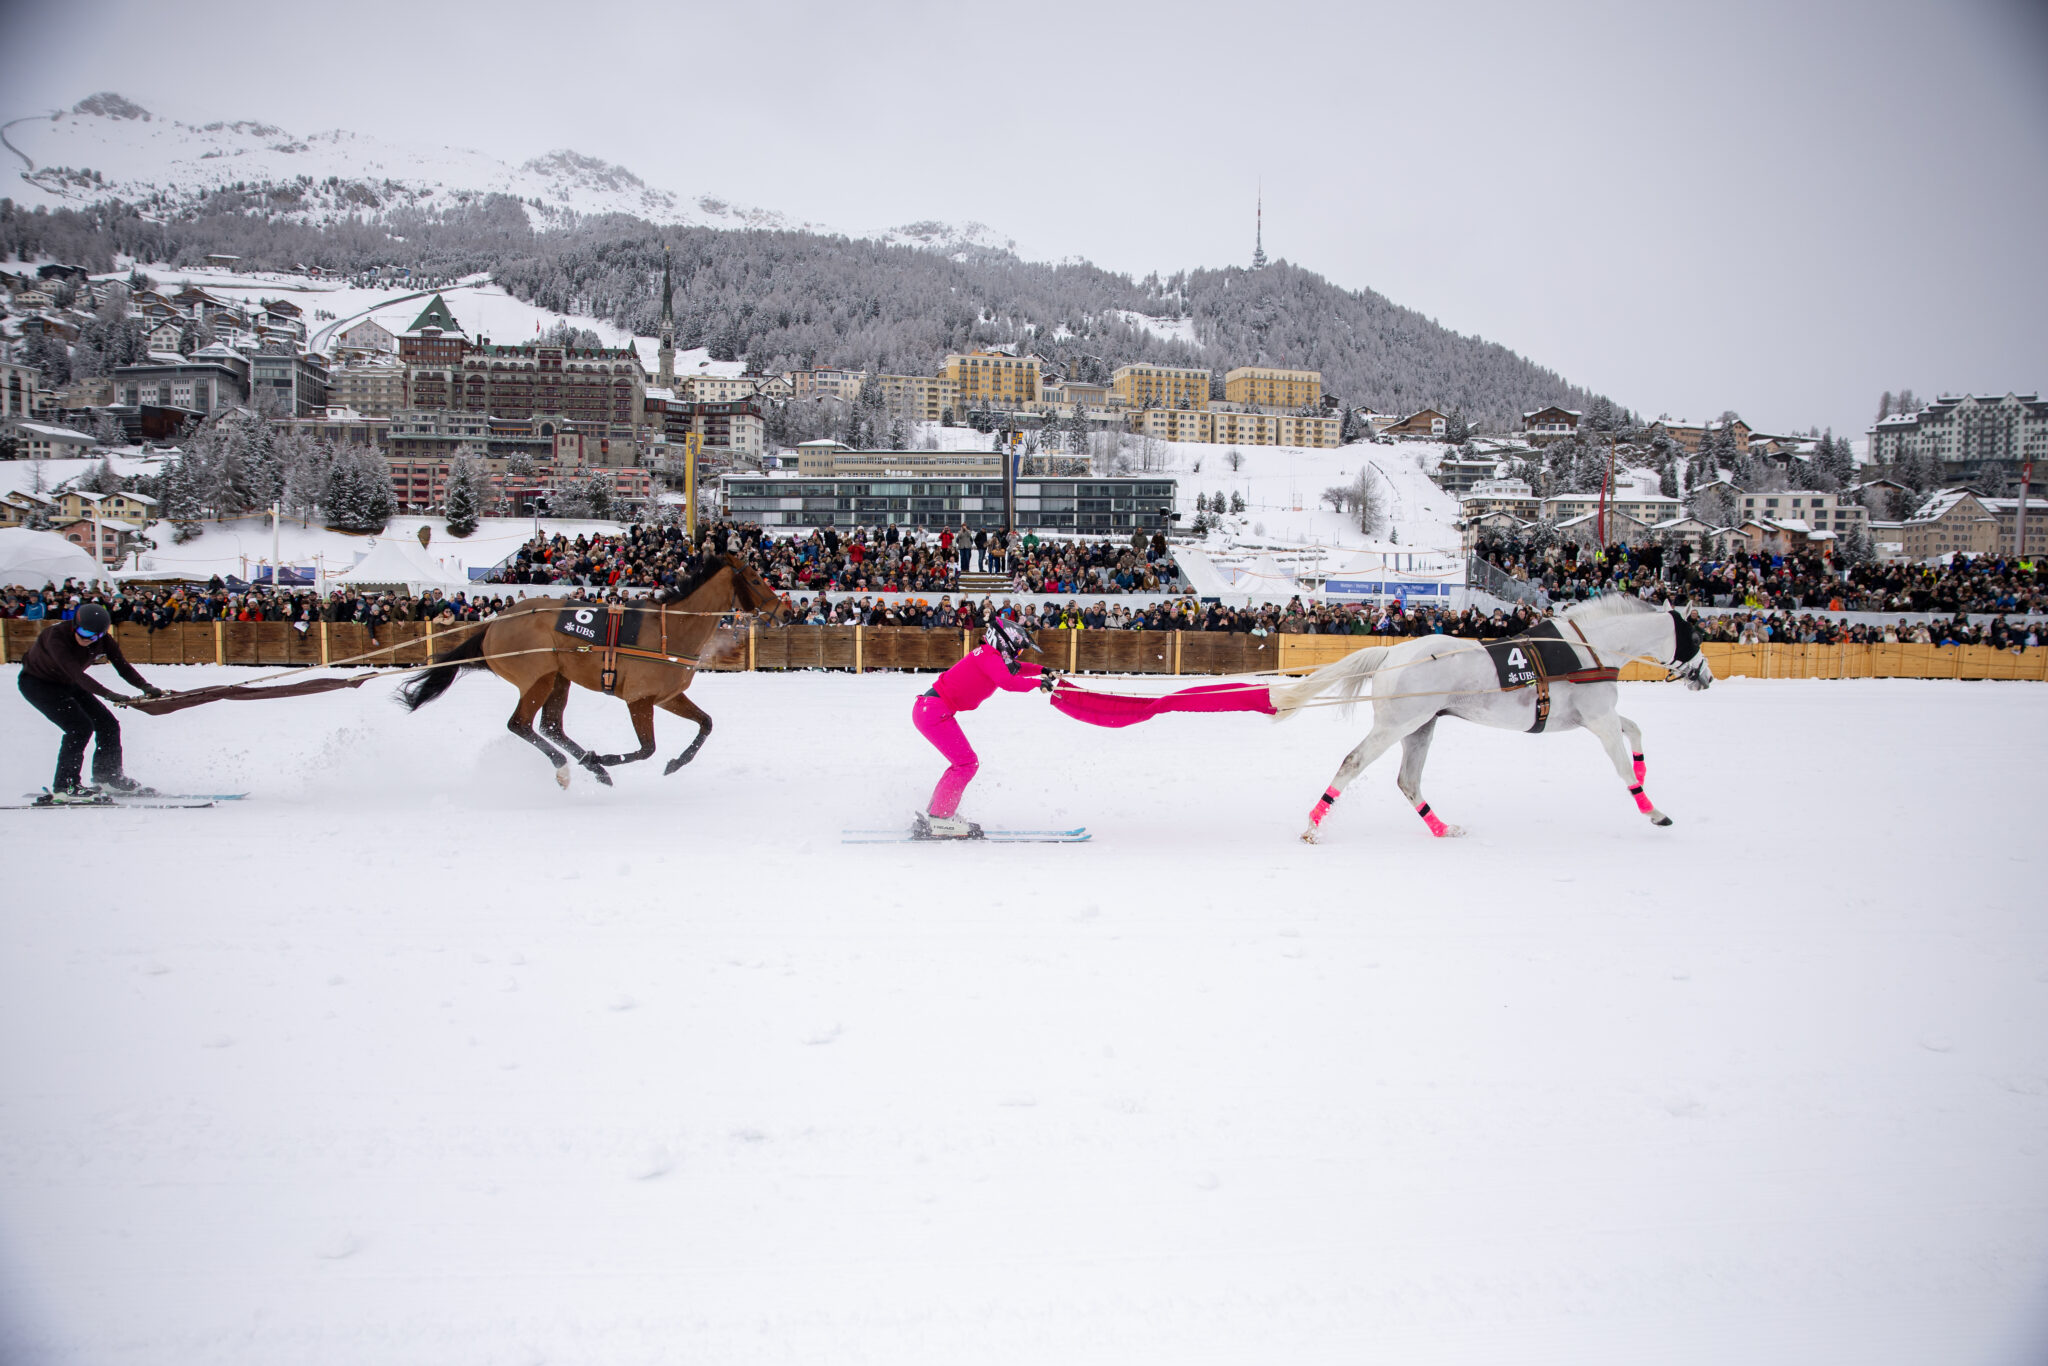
(991, 665)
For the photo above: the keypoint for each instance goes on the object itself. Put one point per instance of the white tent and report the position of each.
(400, 561)
(33, 559)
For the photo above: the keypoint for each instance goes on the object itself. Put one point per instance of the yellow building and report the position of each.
(921, 398)
(1224, 428)
(990, 379)
(1161, 386)
(1261, 386)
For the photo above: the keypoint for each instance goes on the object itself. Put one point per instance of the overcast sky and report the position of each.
(1779, 208)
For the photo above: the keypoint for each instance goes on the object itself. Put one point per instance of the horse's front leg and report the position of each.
(1414, 753)
(551, 727)
(1370, 748)
(1634, 734)
(682, 706)
(1607, 727)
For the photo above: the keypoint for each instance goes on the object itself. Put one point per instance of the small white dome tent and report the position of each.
(399, 562)
(35, 559)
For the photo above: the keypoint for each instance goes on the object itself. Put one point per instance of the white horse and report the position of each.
(1558, 676)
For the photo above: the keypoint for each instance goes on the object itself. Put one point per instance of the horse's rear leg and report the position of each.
(1377, 740)
(551, 727)
(1623, 752)
(682, 706)
(642, 712)
(520, 723)
(1414, 753)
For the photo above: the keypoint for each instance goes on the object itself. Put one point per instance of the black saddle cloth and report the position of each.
(1515, 660)
(587, 624)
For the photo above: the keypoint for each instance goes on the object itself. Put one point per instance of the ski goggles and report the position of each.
(88, 637)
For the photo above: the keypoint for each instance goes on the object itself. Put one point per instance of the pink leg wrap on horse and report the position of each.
(934, 721)
(1642, 803)
(1431, 819)
(1639, 770)
(1323, 804)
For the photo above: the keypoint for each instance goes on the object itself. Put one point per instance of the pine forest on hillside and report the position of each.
(783, 299)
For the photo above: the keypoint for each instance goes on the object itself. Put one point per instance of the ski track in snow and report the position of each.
(412, 1058)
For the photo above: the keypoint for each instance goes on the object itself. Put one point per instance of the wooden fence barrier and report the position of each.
(928, 649)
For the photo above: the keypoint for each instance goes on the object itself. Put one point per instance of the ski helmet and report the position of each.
(93, 618)
(1010, 639)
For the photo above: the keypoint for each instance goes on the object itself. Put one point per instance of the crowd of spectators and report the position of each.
(157, 607)
(865, 560)
(1784, 583)
(828, 579)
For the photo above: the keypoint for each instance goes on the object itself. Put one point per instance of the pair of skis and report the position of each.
(1077, 835)
(154, 801)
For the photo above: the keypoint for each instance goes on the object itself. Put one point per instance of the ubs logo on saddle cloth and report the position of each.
(588, 625)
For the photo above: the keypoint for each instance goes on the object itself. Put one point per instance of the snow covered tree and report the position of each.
(465, 478)
(306, 463)
(357, 493)
(1457, 431)
(1236, 503)
(183, 499)
(101, 479)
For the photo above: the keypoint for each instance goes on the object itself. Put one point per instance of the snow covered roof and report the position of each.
(53, 433)
(1939, 503)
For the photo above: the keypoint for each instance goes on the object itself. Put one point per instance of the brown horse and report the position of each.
(647, 664)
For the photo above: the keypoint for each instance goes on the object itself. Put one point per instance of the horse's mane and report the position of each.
(1611, 605)
(712, 564)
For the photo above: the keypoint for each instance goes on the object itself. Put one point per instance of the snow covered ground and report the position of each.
(239, 545)
(412, 1058)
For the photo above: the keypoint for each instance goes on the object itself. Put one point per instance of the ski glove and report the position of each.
(1048, 680)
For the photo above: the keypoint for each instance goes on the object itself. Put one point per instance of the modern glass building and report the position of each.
(1086, 505)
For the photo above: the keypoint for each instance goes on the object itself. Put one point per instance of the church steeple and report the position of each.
(1259, 234)
(667, 377)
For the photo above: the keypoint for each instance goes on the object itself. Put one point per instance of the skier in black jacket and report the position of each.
(55, 682)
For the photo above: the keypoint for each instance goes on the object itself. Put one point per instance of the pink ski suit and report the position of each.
(964, 687)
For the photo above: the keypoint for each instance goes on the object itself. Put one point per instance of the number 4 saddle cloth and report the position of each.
(1542, 657)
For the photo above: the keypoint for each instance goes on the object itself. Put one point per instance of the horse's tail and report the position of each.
(1348, 675)
(429, 684)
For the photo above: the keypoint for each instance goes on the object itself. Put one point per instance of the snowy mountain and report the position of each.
(108, 147)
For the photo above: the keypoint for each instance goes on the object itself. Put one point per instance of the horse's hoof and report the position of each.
(1452, 832)
(675, 764)
(1311, 836)
(1659, 818)
(597, 772)
(562, 777)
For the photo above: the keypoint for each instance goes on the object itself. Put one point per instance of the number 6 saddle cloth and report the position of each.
(1541, 657)
(587, 623)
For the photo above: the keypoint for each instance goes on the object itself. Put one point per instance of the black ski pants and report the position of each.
(83, 717)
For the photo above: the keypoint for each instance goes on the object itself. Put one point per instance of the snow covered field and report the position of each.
(411, 1058)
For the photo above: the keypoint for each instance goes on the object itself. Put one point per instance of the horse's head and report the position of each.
(1688, 661)
(751, 592)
